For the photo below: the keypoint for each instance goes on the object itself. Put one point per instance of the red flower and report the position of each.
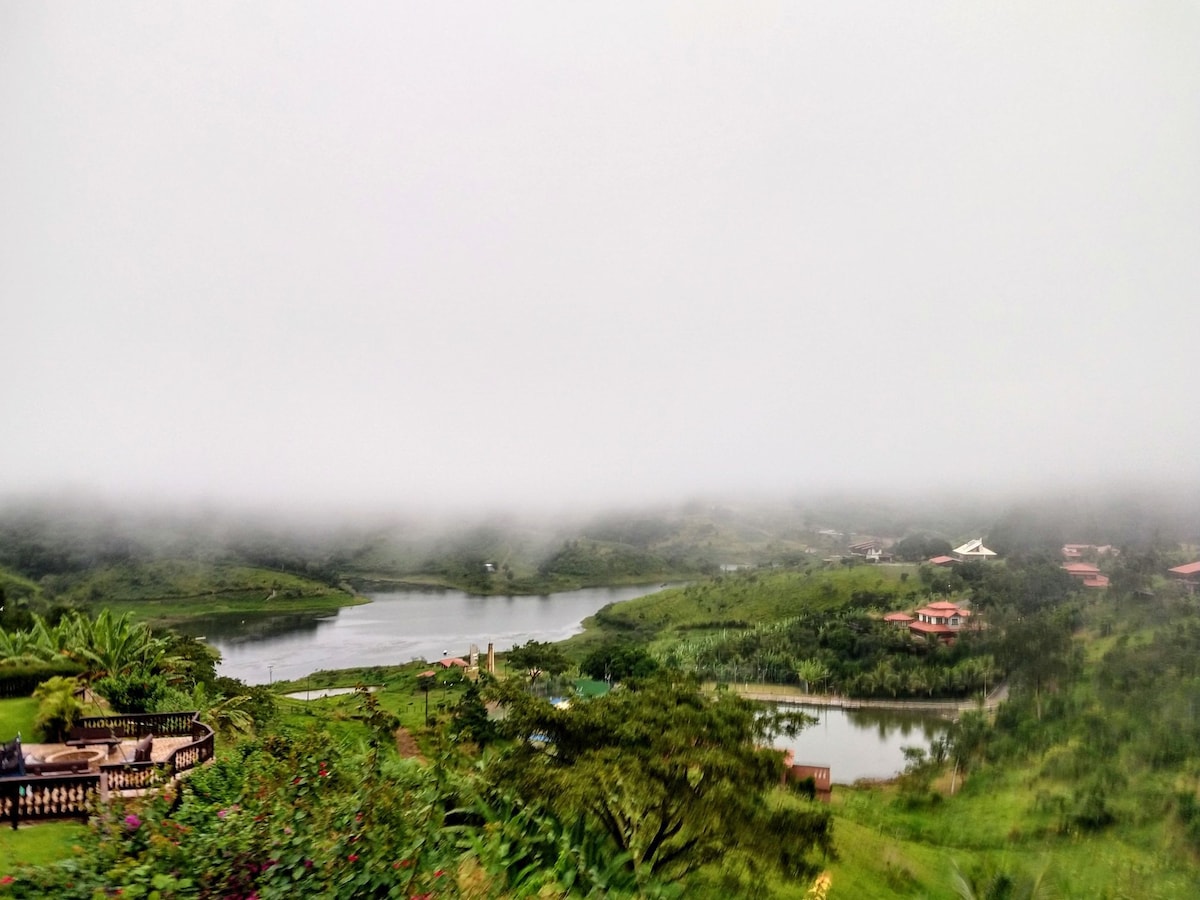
(404, 863)
(353, 857)
(439, 873)
(7, 879)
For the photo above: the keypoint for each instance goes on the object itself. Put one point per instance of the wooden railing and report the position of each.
(36, 797)
(138, 725)
(47, 797)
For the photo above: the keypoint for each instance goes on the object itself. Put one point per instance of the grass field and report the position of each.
(739, 601)
(169, 591)
(17, 715)
(38, 843)
(998, 822)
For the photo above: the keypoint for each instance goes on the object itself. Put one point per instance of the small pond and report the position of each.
(861, 743)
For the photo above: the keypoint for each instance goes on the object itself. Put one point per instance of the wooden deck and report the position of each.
(181, 742)
(160, 750)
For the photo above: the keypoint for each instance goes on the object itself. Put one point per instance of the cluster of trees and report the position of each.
(675, 779)
(847, 652)
(635, 794)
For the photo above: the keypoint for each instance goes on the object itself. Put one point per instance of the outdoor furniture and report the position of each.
(86, 736)
(57, 767)
(142, 750)
(12, 758)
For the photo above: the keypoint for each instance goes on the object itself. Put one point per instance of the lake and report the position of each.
(860, 743)
(395, 627)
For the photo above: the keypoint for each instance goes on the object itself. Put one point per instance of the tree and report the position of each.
(811, 671)
(920, 547)
(676, 778)
(426, 682)
(58, 710)
(469, 720)
(537, 658)
(617, 662)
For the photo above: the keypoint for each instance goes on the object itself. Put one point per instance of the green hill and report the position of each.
(165, 591)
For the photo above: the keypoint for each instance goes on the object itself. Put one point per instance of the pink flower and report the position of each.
(132, 822)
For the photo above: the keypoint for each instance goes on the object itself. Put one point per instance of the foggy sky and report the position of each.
(542, 252)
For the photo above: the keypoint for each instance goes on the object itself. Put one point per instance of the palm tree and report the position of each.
(115, 646)
(1002, 886)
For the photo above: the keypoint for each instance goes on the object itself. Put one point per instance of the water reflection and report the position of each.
(860, 743)
(396, 627)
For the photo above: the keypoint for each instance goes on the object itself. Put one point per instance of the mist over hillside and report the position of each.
(40, 537)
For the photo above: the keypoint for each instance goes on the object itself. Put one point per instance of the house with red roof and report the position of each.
(1071, 552)
(943, 561)
(941, 619)
(899, 619)
(1188, 576)
(1086, 573)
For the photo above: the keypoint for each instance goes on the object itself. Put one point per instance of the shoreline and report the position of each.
(947, 708)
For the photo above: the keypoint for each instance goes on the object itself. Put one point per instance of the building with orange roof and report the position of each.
(1088, 574)
(941, 619)
(1187, 575)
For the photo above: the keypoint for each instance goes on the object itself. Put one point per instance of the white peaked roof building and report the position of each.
(974, 549)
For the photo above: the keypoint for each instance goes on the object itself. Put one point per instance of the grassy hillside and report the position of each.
(746, 599)
(16, 587)
(169, 590)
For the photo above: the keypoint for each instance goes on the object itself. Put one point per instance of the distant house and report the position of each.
(973, 550)
(898, 619)
(943, 620)
(1072, 552)
(454, 661)
(871, 550)
(818, 776)
(1086, 573)
(1188, 576)
(943, 561)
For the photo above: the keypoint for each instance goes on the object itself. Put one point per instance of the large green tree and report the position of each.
(677, 778)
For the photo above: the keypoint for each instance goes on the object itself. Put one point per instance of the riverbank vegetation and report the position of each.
(1084, 783)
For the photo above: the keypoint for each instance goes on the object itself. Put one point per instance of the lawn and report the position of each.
(18, 715)
(39, 843)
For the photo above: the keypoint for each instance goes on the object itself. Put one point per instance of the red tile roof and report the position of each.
(943, 610)
(898, 617)
(1189, 569)
(1096, 581)
(943, 560)
(1081, 569)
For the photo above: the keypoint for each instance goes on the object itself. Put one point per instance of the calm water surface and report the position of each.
(396, 627)
(861, 743)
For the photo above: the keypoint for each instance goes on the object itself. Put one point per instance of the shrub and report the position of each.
(58, 708)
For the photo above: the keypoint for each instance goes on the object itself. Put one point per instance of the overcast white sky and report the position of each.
(550, 252)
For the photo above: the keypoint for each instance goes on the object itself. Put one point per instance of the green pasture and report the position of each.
(166, 591)
(18, 715)
(743, 600)
(38, 843)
